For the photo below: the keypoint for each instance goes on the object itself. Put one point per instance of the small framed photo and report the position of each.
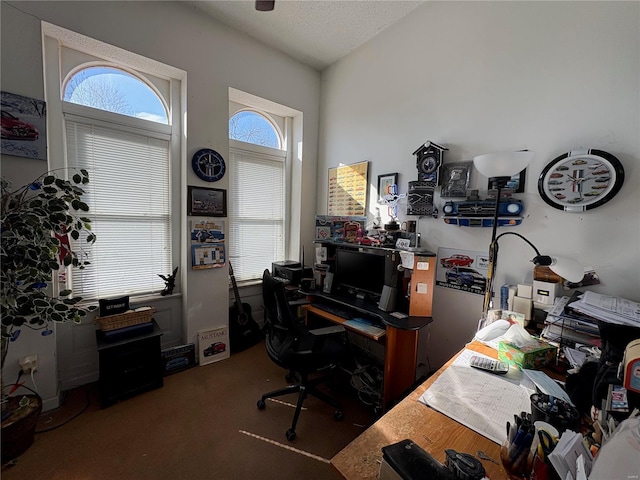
(455, 179)
(517, 182)
(207, 202)
(384, 182)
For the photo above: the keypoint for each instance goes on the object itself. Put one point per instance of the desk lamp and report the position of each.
(499, 167)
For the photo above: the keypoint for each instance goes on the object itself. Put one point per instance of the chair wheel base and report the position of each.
(261, 404)
(291, 435)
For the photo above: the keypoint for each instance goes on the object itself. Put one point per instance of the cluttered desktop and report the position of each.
(507, 413)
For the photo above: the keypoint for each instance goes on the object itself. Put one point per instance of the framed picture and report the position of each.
(207, 256)
(24, 126)
(348, 190)
(207, 202)
(384, 182)
(213, 345)
(455, 179)
(516, 183)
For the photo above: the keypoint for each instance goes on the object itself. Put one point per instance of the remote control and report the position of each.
(488, 364)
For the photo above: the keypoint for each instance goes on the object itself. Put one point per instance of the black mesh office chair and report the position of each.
(302, 351)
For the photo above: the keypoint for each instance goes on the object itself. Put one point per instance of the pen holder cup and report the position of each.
(554, 411)
(517, 463)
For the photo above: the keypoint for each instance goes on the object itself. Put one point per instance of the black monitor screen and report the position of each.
(360, 271)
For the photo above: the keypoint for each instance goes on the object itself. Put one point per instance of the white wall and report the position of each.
(487, 76)
(215, 58)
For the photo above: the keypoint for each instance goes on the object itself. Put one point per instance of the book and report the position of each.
(617, 399)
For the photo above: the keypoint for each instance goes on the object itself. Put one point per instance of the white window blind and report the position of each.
(128, 198)
(256, 212)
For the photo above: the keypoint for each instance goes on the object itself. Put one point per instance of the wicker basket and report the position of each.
(127, 319)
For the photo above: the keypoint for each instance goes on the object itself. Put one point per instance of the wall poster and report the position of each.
(213, 345)
(462, 270)
(24, 126)
(207, 245)
(348, 189)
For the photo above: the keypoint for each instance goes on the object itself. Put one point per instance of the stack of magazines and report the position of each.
(607, 309)
(567, 327)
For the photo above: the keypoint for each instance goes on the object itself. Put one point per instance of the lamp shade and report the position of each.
(567, 268)
(502, 164)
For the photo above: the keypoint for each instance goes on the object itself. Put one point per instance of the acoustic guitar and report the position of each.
(244, 332)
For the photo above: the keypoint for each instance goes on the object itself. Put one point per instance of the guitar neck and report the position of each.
(235, 289)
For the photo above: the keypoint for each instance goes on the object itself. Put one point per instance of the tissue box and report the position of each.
(530, 356)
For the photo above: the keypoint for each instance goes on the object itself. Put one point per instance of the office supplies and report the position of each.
(545, 384)
(483, 403)
(464, 465)
(565, 455)
(555, 411)
(431, 429)
(405, 460)
(484, 456)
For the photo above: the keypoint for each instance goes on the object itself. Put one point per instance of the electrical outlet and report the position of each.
(29, 363)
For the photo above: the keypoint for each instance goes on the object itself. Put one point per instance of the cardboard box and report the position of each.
(546, 292)
(532, 356)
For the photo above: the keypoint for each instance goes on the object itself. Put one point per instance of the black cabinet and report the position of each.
(129, 365)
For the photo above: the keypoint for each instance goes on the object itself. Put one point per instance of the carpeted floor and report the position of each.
(203, 424)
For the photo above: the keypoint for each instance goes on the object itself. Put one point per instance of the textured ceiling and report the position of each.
(314, 32)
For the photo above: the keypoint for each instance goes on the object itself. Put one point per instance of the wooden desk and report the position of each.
(430, 429)
(400, 353)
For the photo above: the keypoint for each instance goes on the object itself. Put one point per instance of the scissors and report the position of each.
(546, 445)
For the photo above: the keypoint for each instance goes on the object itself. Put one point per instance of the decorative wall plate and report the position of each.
(208, 165)
(581, 180)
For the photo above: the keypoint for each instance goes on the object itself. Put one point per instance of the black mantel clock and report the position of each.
(581, 180)
(208, 165)
(429, 161)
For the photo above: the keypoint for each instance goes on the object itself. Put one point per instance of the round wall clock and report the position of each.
(581, 180)
(208, 165)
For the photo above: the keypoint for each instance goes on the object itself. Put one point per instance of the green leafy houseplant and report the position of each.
(36, 221)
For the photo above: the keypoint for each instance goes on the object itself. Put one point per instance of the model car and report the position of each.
(483, 208)
(456, 260)
(467, 277)
(215, 348)
(15, 129)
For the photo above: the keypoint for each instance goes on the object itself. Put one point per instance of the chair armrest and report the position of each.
(327, 330)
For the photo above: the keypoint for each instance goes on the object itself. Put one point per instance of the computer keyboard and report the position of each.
(334, 309)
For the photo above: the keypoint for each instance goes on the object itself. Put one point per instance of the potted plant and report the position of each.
(37, 221)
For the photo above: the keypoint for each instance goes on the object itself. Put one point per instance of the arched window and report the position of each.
(114, 90)
(252, 127)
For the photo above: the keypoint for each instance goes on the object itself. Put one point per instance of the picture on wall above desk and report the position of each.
(462, 270)
(206, 202)
(385, 183)
(455, 179)
(348, 189)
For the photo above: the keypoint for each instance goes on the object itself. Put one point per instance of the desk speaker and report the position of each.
(387, 301)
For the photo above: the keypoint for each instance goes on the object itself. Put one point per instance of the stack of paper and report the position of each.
(565, 457)
(608, 309)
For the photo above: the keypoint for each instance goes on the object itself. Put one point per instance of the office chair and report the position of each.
(302, 351)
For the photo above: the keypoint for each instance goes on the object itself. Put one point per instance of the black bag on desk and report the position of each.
(408, 461)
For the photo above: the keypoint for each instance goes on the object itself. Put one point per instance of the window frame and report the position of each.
(65, 54)
(269, 119)
(270, 154)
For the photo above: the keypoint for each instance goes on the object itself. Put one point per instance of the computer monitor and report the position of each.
(359, 272)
